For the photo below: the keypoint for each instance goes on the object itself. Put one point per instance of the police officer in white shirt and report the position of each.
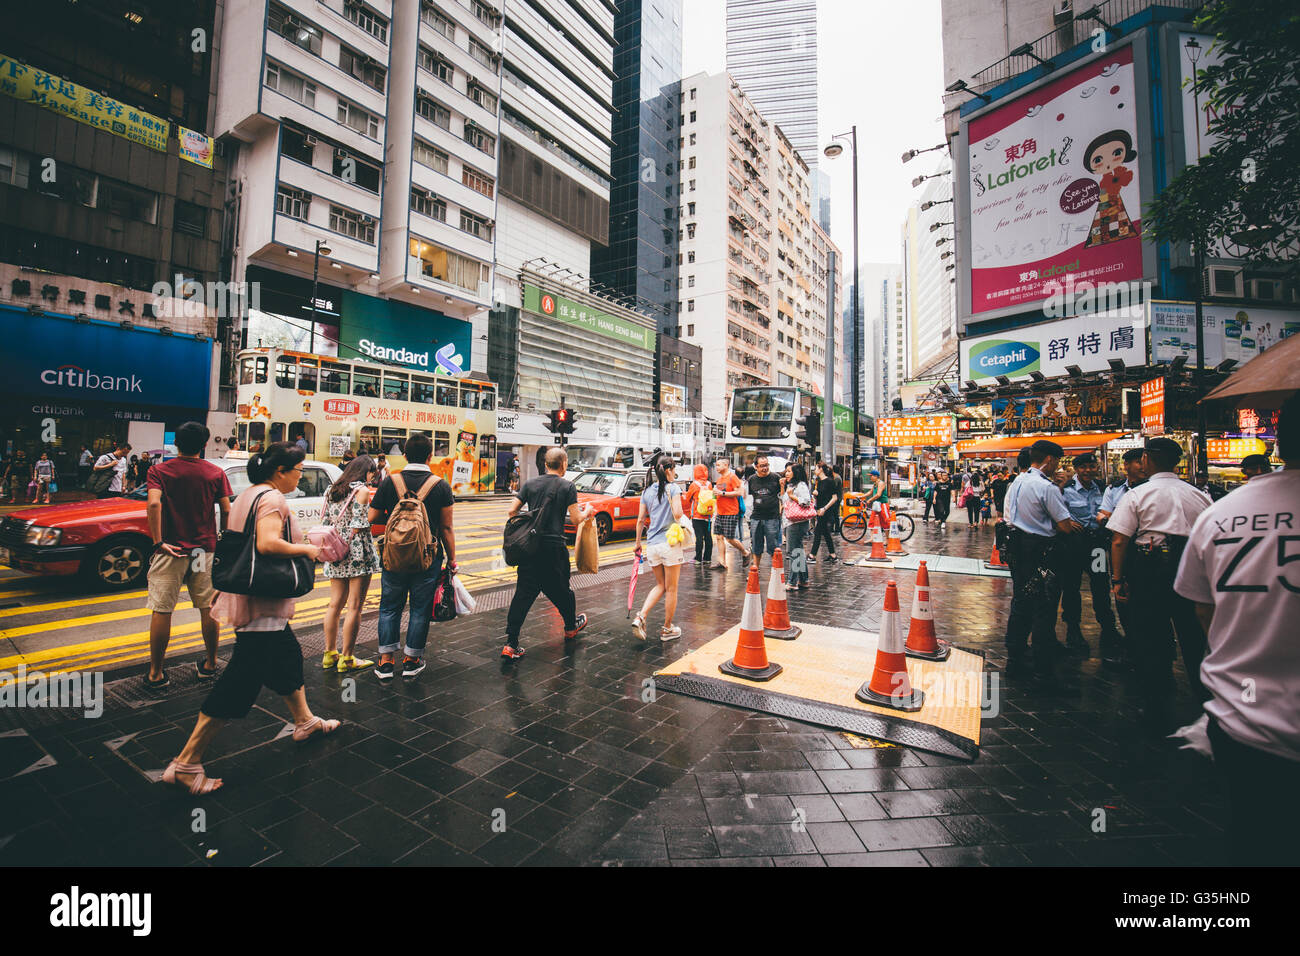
(1035, 513)
(1241, 567)
(1087, 553)
(1133, 477)
(1150, 527)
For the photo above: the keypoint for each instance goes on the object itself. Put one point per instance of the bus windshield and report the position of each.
(764, 404)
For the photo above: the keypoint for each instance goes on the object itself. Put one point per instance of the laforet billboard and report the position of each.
(1054, 186)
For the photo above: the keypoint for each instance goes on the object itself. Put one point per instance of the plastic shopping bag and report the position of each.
(465, 603)
(586, 547)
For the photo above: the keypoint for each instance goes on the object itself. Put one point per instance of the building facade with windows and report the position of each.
(929, 275)
(110, 211)
(754, 259)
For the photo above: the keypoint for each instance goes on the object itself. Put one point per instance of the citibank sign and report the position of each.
(74, 376)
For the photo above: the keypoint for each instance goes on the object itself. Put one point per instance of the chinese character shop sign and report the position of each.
(73, 100)
(588, 318)
(1088, 341)
(1054, 189)
(933, 430)
(1085, 409)
(1153, 407)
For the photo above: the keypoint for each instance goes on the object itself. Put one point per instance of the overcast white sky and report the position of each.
(881, 67)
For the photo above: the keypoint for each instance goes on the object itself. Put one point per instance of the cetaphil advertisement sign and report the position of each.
(1090, 342)
(96, 364)
(1054, 188)
(1230, 331)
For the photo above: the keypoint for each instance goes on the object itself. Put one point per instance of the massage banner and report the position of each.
(1054, 187)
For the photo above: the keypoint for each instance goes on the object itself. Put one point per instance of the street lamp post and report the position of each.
(833, 150)
(1198, 259)
(321, 248)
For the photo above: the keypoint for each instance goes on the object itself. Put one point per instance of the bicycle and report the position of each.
(855, 520)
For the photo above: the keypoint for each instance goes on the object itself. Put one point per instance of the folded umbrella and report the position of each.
(631, 588)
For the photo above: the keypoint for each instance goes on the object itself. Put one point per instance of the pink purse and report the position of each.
(327, 537)
(797, 512)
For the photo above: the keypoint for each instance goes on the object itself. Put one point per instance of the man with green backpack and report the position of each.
(415, 506)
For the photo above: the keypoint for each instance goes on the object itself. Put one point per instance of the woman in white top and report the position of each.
(795, 485)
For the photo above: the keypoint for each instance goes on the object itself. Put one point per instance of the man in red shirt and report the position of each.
(728, 491)
(182, 495)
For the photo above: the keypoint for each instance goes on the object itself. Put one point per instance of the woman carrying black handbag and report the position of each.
(266, 651)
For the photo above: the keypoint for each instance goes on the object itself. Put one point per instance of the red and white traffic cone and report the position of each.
(776, 615)
(889, 685)
(877, 555)
(894, 547)
(922, 641)
(995, 562)
(750, 660)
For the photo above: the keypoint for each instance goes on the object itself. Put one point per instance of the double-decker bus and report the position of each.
(695, 439)
(368, 408)
(763, 422)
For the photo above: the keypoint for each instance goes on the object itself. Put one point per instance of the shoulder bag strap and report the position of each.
(426, 487)
(398, 485)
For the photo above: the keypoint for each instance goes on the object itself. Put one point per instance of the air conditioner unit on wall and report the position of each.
(310, 141)
(1222, 282)
(1063, 12)
(340, 153)
(1265, 290)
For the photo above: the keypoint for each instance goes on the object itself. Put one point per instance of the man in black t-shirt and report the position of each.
(546, 572)
(419, 586)
(765, 523)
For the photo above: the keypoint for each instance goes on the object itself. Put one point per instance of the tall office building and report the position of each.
(109, 185)
(880, 290)
(928, 255)
(640, 261)
(772, 54)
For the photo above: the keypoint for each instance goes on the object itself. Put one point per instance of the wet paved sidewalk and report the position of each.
(558, 759)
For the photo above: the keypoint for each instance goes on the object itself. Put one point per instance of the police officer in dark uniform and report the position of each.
(1150, 527)
(1087, 552)
(1036, 513)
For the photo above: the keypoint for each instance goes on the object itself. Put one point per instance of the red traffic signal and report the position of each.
(562, 421)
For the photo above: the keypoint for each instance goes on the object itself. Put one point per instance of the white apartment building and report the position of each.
(753, 261)
(369, 127)
(881, 299)
(928, 268)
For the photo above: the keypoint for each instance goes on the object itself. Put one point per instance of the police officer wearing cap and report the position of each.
(1150, 527)
(1036, 513)
(1087, 552)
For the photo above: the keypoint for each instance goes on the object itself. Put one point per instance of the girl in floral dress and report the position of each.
(347, 505)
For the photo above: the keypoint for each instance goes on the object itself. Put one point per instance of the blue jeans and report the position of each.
(765, 531)
(394, 588)
(796, 561)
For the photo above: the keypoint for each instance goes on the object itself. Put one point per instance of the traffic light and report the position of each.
(562, 421)
(810, 429)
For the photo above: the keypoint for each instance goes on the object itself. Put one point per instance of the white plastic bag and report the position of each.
(1196, 736)
(465, 603)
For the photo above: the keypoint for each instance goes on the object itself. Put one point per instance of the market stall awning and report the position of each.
(1010, 444)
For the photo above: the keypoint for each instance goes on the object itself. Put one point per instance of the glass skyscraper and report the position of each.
(641, 259)
(772, 54)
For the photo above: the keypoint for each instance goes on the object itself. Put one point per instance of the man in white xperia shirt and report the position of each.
(1241, 567)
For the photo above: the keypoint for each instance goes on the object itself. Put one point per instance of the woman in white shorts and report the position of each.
(661, 509)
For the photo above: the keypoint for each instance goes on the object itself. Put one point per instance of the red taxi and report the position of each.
(107, 540)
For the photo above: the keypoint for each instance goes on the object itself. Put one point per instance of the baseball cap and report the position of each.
(1165, 447)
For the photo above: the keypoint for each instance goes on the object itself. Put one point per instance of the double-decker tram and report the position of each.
(339, 405)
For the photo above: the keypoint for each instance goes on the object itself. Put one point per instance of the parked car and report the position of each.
(107, 540)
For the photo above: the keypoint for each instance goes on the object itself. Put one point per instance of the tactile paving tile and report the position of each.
(826, 666)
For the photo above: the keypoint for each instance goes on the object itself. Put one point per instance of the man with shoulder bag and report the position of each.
(416, 508)
(543, 564)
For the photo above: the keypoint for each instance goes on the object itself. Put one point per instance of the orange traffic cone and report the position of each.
(995, 562)
(895, 544)
(889, 685)
(878, 555)
(776, 615)
(922, 642)
(751, 661)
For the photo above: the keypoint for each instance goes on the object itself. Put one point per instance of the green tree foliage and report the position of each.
(1249, 182)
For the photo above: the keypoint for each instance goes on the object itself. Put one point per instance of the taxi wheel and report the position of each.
(118, 564)
(604, 528)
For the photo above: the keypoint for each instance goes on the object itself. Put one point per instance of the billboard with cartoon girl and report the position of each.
(1054, 190)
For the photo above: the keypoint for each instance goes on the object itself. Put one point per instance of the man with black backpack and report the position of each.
(416, 508)
(544, 563)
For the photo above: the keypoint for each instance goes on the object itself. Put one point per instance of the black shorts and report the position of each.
(261, 659)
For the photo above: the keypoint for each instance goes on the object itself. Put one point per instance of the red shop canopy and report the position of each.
(1010, 444)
